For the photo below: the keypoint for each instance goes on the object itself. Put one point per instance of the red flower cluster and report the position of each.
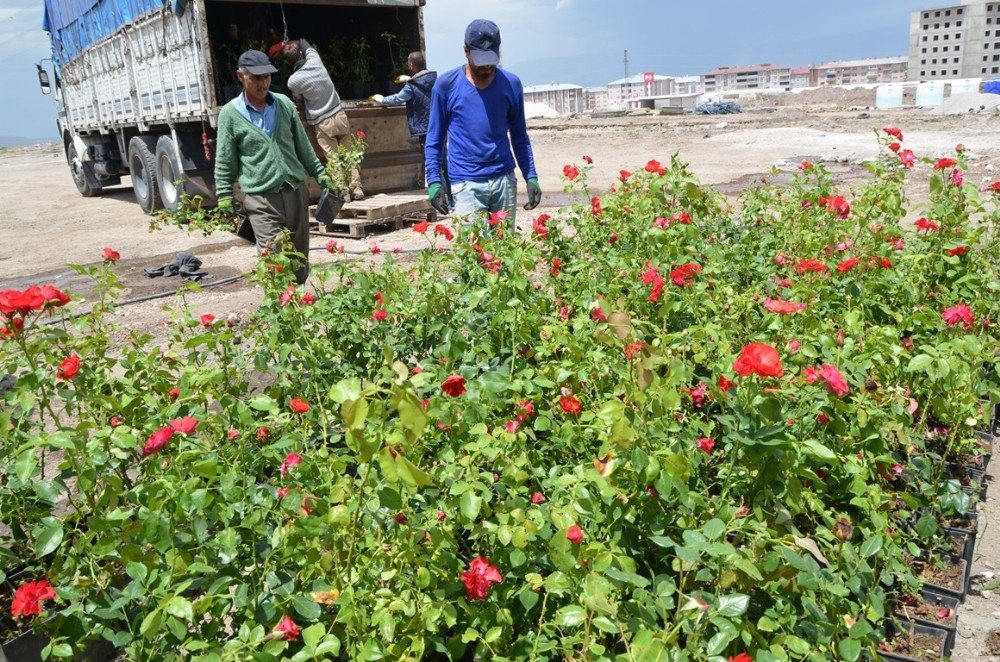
(652, 277)
(454, 385)
(334, 247)
(783, 307)
(837, 205)
(184, 425)
(538, 226)
(623, 175)
(759, 359)
(811, 264)
(569, 404)
(683, 275)
(894, 132)
(443, 231)
(725, 384)
(907, 158)
(653, 166)
(32, 299)
(479, 577)
(29, 596)
(944, 163)
(632, 350)
(706, 444)
(958, 313)
(556, 267)
(827, 373)
(847, 265)
(957, 250)
(924, 225)
(571, 172)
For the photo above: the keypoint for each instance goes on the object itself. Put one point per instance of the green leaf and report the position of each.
(919, 363)
(48, 534)
(470, 504)
(306, 607)
(926, 526)
(815, 449)
(871, 546)
(713, 528)
(261, 402)
(354, 413)
(312, 634)
(410, 473)
(570, 616)
(180, 607)
(733, 605)
(850, 649)
(412, 416)
(348, 389)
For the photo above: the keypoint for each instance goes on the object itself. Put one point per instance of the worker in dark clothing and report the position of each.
(416, 94)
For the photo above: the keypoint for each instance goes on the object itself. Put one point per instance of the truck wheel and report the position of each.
(170, 177)
(76, 169)
(142, 167)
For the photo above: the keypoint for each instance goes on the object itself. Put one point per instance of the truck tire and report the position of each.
(79, 176)
(170, 176)
(142, 167)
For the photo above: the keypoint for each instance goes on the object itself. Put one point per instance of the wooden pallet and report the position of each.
(385, 211)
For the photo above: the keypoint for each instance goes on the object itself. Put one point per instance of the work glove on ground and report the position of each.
(377, 97)
(438, 197)
(534, 194)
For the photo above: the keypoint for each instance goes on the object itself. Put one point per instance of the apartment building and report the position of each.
(750, 78)
(957, 41)
(625, 92)
(859, 72)
(596, 98)
(687, 85)
(563, 98)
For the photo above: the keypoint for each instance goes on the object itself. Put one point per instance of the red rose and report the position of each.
(570, 172)
(184, 425)
(496, 218)
(822, 419)
(634, 350)
(654, 166)
(847, 265)
(111, 255)
(793, 346)
(907, 158)
(811, 264)
(233, 434)
(556, 267)
(595, 206)
(652, 277)
(29, 596)
(115, 421)
(298, 406)
(760, 359)
(286, 629)
(895, 147)
(995, 187)
(454, 385)
(834, 380)
(444, 231)
(283, 492)
(374, 248)
(624, 175)
(725, 384)
(207, 319)
(157, 441)
(569, 404)
(946, 162)
(263, 434)
(174, 393)
(379, 315)
(537, 498)
(745, 657)
(959, 313)
(706, 444)
(400, 518)
(69, 367)
(957, 178)
(441, 515)
(894, 132)
(333, 247)
(588, 160)
(783, 307)
(805, 165)
(922, 224)
(538, 225)
(697, 394)
(291, 460)
(479, 577)
(574, 534)
(683, 275)
(308, 298)
(957, 250)
(361, 134)
(837, 205)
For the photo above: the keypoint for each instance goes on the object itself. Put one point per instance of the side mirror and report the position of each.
(43, 80)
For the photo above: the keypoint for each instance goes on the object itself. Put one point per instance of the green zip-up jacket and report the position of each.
(262, 164)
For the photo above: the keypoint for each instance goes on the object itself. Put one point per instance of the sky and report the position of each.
(563, 41)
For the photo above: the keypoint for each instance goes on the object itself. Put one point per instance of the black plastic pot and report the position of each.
(963, 588)
(939, 601)
(967, 545)
(903, 625)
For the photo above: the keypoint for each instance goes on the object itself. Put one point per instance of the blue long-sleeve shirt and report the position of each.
(481, 127)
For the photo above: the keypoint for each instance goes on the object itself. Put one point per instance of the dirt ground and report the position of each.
(45, 224)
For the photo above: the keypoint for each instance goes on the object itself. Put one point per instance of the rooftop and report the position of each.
(746, 69)
(869, 62)
(637, 78)
(552, 87)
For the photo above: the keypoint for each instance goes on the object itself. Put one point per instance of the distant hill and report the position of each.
(20, 141)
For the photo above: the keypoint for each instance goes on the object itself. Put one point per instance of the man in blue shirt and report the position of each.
(479, 109)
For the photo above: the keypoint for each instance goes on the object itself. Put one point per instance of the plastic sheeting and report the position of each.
(991, 87)
(76, 24)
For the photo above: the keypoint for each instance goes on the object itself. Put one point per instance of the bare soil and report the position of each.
(916, 606)
(46, 224)
(918, 646)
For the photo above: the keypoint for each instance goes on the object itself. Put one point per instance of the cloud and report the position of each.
(564, 4)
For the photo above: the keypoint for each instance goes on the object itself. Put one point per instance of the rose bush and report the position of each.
(608, 437)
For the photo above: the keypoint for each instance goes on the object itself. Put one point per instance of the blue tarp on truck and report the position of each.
(76, 24)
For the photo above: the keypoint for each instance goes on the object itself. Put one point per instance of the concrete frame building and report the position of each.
(801, 77)
(563, 98)
(749, 78)
(624, 93)
(596, 98)
(860, 72)
(687, 85)
(956, 41)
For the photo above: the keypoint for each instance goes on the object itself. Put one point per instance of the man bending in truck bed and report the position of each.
(261, 142)
(310, 85)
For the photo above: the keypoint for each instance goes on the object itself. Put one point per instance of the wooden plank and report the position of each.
(359, 228)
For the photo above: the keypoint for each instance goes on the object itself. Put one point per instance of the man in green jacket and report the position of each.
(261, 141)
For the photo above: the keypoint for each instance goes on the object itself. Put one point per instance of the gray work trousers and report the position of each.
(270, 213)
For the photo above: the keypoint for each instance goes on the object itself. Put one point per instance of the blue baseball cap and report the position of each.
(483, 39)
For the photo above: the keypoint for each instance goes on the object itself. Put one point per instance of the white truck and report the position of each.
(138, 84)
